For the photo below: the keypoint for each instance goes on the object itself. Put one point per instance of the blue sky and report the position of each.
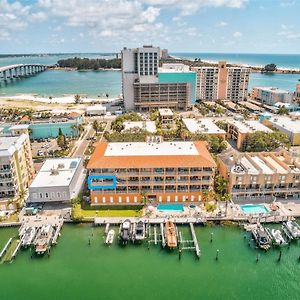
(247, 26)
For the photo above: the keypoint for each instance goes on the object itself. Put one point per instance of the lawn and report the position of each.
(79, 213)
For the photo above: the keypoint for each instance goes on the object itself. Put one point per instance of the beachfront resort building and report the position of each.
(260, 176)
(59, 180)
(271, 95)
(159, 172)
(16, 165)
(290, 126)
(238, 130)
(203, 126)
(222, 82)
(145, 87)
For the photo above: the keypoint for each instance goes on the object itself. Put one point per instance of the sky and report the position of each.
(227, 26)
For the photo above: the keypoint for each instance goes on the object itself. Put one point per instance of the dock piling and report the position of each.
(217, 255)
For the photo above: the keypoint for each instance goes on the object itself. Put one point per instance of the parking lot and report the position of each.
(43, 147)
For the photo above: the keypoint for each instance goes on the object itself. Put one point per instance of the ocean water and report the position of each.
(98, 83)
(76, 270)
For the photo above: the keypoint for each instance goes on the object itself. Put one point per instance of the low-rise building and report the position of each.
(166, 117)
(203, 126)
(297, 93)
(260, 176)
(238, 130)
(271, 95)
(16, 165)
(290, 126)
(146, 125)
(96, 110)
(59, 180)
(135, 173)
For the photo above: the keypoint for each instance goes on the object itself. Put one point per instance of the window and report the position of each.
(34, 195)
(64, 194)
(46, 195)
(58, 195)
(111, 200)
(41, 195)
(103, 199)
(120, 199)
(95, 199)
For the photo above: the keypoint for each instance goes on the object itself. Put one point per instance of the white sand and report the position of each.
(63, 100)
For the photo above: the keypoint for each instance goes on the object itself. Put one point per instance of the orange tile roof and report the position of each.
(203, 159)
(74, 114)
(25, 118)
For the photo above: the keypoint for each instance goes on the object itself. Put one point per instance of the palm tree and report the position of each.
(77, 99)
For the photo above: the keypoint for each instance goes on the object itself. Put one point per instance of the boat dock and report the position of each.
(5, 247)
(10, 250)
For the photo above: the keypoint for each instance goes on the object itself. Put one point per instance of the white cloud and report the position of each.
(288, 32)
(287, 3)
(38, 17)
(237, 34)
(221, 24)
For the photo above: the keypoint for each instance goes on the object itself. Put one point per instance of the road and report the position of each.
(82, 143)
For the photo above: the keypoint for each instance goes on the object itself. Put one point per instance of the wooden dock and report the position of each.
(196, 244)
(5, 247)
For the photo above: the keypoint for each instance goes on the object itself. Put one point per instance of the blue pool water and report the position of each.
(170, 207)
(254, 209)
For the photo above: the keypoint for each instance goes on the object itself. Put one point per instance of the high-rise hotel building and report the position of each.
(16, 165)
(222, 82)
(153, 172)
(143, 88)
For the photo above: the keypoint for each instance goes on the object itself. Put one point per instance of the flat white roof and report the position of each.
(147, 125)
(151, 149)
(10, 144)
(56, 172)
(262, 165)
(19, 126)
(275, 90)
(291, 125)
(249, 126)
(96, 107)
(167, 112)
(250, 168)
(202, 125)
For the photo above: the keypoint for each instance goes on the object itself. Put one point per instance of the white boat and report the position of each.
(110, 237)
(262, 237)
(43, 239)
(277, 237)
(293, 229)
(125, 231)
(140, 231)
(28, 236)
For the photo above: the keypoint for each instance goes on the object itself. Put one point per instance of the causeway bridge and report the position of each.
(8, 73)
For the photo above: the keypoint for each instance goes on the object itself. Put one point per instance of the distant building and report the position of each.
(239, 129)
(297, 93)
(290, 126)
(222, 82)
(260, 176)
(271, 95)
(139, 172)
(144, 89)
(59, 180)
(16, 165)
(96, 110)
(203, 126)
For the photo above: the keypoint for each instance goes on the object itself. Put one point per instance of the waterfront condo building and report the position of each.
(222, 82)
(271, 95)
(297, 93)
(260, 176)
(16, 165)
(59, 180)
(159, 172)
(144, 89)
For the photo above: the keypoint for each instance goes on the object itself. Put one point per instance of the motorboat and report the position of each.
(125, 231)
(262, 237)
(277, 237)
(43, 239)
(171, 236)
(292, 228)
(139, 231)
(110, 237)
(28, 236)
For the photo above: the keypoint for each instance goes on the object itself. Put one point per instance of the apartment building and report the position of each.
(145, 88)
(297, 93)
(222, 82)
(271, 95)
(290, 126)
(238, 130)
(260, 176)
(203, 126)
(16, 165)
(59, 180)
(134, 173)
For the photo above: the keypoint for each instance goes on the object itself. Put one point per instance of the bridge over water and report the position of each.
(8, 73)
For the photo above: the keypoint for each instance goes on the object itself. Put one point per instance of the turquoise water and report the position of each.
(254, 209)
(170, 207)
(78, 271)
(98, 83)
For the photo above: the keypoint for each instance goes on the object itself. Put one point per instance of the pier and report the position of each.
(5, 247)
(8, 73)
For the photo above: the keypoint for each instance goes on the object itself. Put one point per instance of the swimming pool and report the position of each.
(254, 209)
(170, 207)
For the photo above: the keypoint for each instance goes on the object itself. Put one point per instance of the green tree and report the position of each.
(77, 99)
(270, 68)
(282, 111)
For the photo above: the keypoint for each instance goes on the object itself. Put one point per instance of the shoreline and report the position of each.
(56, 68)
